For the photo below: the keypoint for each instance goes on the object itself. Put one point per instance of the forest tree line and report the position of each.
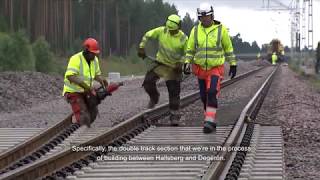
(117, 24)
(62, 25)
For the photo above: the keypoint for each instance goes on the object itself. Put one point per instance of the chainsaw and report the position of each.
(101, 93)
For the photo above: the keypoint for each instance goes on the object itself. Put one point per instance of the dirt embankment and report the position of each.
(19, 90)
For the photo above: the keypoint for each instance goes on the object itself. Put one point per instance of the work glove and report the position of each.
(104, 83)
(90, 91)
(142, 53)
(186, 68)
(233, 71)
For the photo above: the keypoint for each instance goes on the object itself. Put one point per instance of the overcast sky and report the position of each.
(251, 20)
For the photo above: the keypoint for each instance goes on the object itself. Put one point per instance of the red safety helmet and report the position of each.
(91, 45)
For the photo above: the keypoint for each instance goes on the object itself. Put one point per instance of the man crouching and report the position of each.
(82, 70)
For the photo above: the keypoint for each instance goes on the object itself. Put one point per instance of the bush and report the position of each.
(43, 56)
(15, 52)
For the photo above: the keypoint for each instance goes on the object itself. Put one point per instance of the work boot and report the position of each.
(209, 127)
(174, 118)
(85, 120)
(153, 101)
(151, 104)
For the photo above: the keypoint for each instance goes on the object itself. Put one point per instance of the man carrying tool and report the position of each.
(168, 64)
(209, 45)
(82, 70)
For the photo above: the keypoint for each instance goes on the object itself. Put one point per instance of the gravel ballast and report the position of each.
(30, 99)
(46, 109)
(294, 105)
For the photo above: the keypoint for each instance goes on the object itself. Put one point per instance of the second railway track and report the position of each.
(138, 130)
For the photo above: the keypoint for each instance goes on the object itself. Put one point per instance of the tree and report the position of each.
(43, 55)
(16, 53)
(187, 24)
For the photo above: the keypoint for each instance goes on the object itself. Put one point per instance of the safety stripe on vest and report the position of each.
(73, 87)
(218, 45)
(81, 66)
(196, 37)
(190, 52)
(229, 54)
(73, 70)
(208, 56)
(219, 36)
(209, 49)
(95, 65)
(188, 57)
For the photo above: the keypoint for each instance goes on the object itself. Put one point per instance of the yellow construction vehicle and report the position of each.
(276, 47)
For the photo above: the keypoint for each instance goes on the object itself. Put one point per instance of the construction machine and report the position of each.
(275, 46)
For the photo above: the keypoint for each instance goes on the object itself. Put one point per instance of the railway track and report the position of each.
(139, 131)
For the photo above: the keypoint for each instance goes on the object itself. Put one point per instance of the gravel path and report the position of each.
(294, 105)
(47, 107)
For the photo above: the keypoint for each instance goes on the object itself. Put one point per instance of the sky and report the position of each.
(251, 20)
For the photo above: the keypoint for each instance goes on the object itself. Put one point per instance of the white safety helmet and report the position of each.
(205, 9)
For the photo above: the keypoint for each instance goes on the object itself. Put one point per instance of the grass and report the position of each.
(124, 67)
(315, 81)
(111, 64)
(312, 79)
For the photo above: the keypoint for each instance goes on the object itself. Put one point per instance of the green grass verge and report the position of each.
(112, 64)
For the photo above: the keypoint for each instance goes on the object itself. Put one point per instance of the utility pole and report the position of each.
(294, 9)
(310, 25)
(297, 25)
(303, 27)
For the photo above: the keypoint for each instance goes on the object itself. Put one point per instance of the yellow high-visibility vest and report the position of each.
(171, 47)
(210, 47)
(79, 66)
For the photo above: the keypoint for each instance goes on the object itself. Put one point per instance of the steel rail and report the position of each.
(215, 169)
(29, 146)
(48, 165)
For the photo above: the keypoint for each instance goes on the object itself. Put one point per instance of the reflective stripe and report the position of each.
(189, 57)
(73, 70)
(210, 114)
(73, 87)
(209, 49)
(219, 36)
(191, 52)
(196, 37)
(81, 66)
(218, 45)
(229, 54)
(95, 65)
(230, 58)
(208, 56)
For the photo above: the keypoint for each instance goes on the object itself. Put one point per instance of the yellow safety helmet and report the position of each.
(173, 22)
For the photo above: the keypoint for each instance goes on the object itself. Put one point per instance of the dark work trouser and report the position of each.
(209, 98)
(173, 87)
